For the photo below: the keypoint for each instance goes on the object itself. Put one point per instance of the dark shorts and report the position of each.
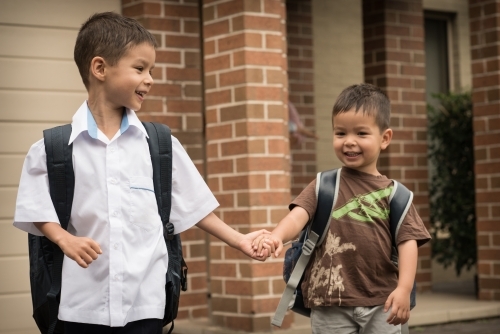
(145, 326)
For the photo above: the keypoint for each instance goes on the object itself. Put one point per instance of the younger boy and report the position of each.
(116, 258)
(350, 281)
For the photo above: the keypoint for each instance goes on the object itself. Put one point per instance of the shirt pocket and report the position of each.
(143, 208)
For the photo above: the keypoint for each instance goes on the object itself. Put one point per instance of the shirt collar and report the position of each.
(84, 121)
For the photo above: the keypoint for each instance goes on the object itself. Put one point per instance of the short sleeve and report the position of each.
(192, 200)
(33, 203)
(306, 199)
(413, 228)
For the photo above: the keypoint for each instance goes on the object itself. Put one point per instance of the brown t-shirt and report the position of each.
(353, 267)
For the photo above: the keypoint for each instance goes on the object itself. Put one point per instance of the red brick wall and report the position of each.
(485, 51)
(247, 149)
(394, 57)
(175, 99)
(301, 89)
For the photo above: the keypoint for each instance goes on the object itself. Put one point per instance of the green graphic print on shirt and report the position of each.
(362, 208)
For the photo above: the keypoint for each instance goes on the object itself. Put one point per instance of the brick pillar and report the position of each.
(485, 49)
(175, 99)
(247, 150)
(395, 61)
(301, 94)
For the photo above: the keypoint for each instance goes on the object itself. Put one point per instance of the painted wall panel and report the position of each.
(13, 242)
(338, 63)
(17, 278)
(39, 106)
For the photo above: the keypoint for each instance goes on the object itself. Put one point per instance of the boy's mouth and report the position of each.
(352, 154)
(141, 94)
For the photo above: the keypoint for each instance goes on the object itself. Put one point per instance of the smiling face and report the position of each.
(129, 80)
(358, 140)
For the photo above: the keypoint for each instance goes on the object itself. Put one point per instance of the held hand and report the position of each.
(245, 245)
(80, 249)
(268, 242)
(399, 299)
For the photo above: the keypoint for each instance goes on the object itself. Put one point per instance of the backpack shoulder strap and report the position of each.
(400, 201)
(160, 148)
(326, 190)
(60, 170)
(61, 186)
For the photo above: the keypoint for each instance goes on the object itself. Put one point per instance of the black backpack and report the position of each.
(298, 255)
(46, 258)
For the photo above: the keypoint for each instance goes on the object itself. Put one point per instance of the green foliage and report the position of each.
(452, 191)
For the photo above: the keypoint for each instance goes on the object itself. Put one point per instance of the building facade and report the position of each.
(225, 71)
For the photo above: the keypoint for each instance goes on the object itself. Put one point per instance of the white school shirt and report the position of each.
(114, 204)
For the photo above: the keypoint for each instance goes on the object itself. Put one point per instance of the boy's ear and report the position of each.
(97, 68)
(386, 138)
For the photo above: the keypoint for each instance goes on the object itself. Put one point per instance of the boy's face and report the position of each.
(357, 140)
(129, 80)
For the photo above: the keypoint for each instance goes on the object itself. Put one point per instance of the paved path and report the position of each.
(485, 326)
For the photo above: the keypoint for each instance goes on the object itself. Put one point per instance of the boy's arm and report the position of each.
(287, 229)
(80, 249)
(399, 299)
(216, 227)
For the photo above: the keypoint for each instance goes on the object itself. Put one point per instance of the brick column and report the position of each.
(395, 61)
(485, 48)
(301, 94)
(247, 150)
(175, 99)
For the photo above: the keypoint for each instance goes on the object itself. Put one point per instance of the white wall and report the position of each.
(39, 88)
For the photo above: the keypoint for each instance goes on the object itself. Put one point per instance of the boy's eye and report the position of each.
(139, 69)
(362, 133)
(339, 133)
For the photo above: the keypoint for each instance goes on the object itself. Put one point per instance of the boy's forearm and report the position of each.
(216, 227)
(408, 256)
(290, 226)
(53, 231)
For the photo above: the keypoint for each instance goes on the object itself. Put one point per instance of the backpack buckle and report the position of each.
(169, 231)
(308, 247)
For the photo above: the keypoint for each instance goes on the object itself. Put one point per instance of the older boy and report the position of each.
(116, 258)
(350, 281)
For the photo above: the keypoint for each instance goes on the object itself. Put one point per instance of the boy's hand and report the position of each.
(268, 243)
(245, 245)
(80, 249)
(399, 299)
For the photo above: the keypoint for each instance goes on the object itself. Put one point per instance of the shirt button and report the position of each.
(113, 181)
(116, 246)
(112, 149)
(115, 214)
(117, 277)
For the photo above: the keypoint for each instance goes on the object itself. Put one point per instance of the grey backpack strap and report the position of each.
(327, 188)
(400, 201)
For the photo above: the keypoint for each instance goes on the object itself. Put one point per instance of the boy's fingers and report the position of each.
(278, 249)
(95, 246)
(81, 262)
(388, 303)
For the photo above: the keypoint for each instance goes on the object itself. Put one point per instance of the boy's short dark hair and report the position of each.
(108, 35)
(370, 98)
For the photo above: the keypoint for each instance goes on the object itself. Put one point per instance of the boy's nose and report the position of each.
(349, 141)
